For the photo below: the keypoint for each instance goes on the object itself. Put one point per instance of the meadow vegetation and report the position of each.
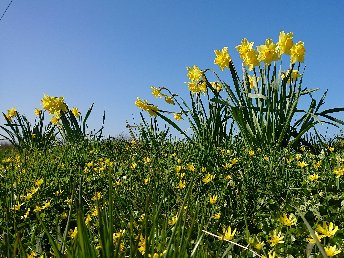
(253, 178)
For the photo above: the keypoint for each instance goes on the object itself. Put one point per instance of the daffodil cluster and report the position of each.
(54, 106)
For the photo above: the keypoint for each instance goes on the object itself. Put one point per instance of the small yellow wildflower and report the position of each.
(26, 214)
(32, 255)
(302, 164)
(212, 199)
(208, 178)
(88, 219)
(311, 240)
(133, 165)
(191, 167)
(94, 212)
(331, 250)
(251, 153)
(288, 220)
(331, 149)
(47, 204)
(146, 180)
(142, 245)
(313, 177)
(276, 238)
(222, 58)
(228, 177)
(259, 245)
(327, 230)
(181, 184)
(216, 215)
(37, 209)
(173, 220)
(73, 233)
(228, 234)
(39, 182)
(97, 196)
(338, 172)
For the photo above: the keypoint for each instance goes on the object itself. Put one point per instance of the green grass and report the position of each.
(138, 191)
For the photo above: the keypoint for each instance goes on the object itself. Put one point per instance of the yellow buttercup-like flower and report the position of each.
(276, 238)
(288, 220)
(285, 42)
(213, 199)
(331, 250)
(228, 234)
(327, 230)
(268, 52)
(297, 52)
(313, 177)
(222, 58)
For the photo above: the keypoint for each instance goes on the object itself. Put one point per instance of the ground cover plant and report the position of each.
(249, 181)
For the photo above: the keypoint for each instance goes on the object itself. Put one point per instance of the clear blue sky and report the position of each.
(110, 52)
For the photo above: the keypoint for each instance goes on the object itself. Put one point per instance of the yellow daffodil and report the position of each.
(244, 48)
(11, 113)
(222, 58)
(76, 112)
(285, 42)
(216, 86)
(38, 112)
(297, 52)
(156, 92)
(194, 73)
(268, 53)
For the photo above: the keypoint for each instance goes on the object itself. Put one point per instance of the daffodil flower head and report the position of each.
(222, 58)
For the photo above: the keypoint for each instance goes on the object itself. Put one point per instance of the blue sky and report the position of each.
(110, 52)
